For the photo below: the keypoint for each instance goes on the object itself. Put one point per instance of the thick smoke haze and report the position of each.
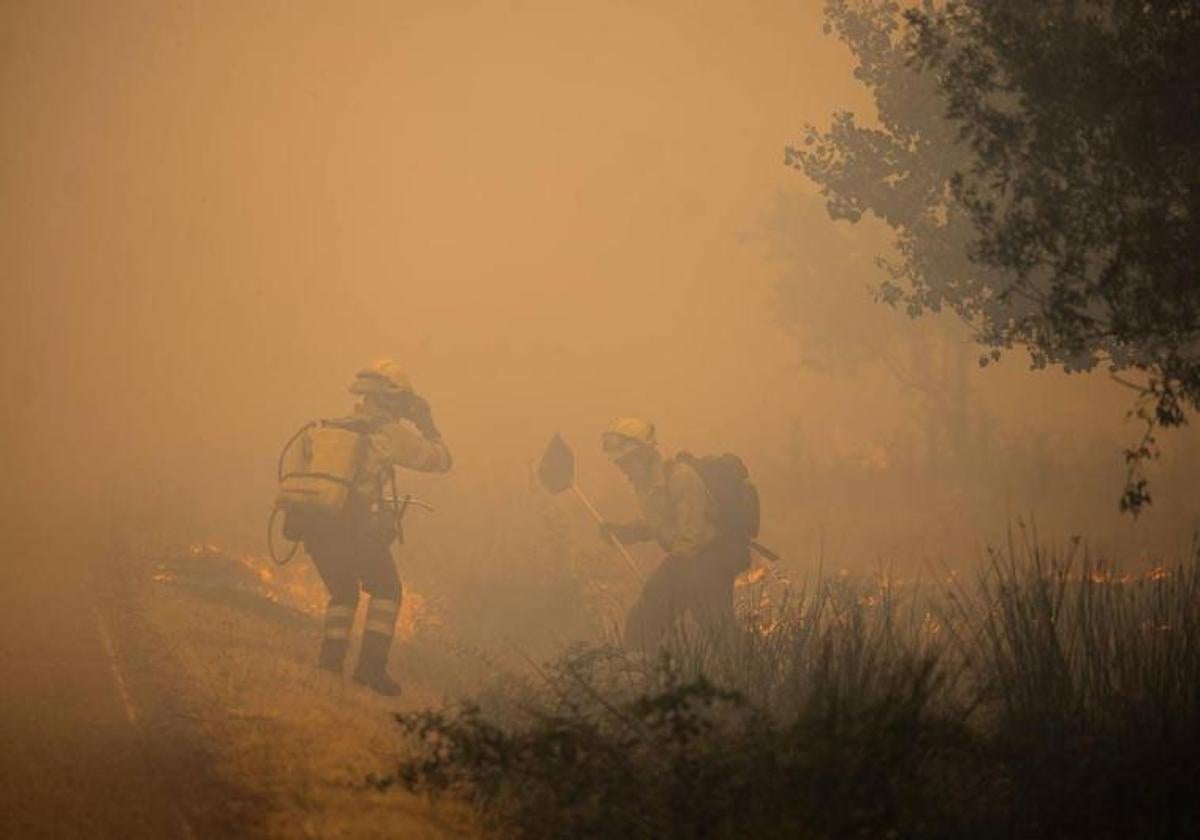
(552, 214)
(214, 213)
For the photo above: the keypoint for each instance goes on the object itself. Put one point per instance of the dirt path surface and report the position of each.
(147, 706)
(77, 751)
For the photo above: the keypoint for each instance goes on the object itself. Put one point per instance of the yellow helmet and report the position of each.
(627, 435)
(383, 378)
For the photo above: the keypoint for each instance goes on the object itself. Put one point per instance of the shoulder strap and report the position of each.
(687, 459)
(356, 423)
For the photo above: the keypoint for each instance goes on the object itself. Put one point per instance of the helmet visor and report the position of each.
(618, 447)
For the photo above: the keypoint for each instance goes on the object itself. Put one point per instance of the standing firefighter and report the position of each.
(333, 478)
(704, 514)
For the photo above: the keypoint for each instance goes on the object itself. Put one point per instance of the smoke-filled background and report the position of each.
(552, 214)
(213, 214)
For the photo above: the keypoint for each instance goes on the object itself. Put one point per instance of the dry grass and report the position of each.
(298, 740)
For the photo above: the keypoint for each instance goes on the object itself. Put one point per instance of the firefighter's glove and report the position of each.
(422, 416)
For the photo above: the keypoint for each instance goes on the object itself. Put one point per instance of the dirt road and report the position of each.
(133, 707)
(86, 748)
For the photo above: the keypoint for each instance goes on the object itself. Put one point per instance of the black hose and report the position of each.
(271, 541)
(283, 452)
(275, 513)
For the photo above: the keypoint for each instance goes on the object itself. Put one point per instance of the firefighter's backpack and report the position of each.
(317, 471)
(734, 496)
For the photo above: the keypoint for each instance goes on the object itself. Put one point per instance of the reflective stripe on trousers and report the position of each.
(381, 616)
(338, 621)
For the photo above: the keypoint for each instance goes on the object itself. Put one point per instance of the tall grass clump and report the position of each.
(1089, 681)
(823, 720)
(1053, 698)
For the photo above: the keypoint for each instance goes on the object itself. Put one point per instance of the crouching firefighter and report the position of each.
(333, 478)
(704, 514)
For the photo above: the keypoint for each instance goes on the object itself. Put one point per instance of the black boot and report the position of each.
(372, 665)
(333, 654)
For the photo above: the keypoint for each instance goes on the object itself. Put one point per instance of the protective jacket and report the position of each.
(697, 574)
(391, 443)
(396, 443)
(676, 510)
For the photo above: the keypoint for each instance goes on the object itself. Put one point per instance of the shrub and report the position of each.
(1055, 698)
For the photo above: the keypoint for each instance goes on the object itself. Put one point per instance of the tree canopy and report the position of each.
(1039, 162)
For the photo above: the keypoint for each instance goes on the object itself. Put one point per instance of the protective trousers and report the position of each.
(701, 586)
(350, 558)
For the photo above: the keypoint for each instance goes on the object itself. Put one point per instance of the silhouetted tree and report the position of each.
(825, 303)
(1039, 161)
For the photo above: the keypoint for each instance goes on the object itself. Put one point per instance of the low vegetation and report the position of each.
(1051, 697)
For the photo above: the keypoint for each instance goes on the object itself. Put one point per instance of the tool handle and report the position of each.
(408, 501)
(762, 551)
(620, 545)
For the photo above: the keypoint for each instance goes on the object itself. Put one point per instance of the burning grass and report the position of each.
(294, 586)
